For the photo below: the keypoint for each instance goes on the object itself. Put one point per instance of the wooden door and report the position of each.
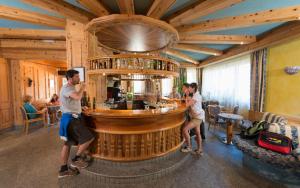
(6, 107)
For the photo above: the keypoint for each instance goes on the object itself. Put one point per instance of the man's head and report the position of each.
(193, 88)
(185, 87)
(73, 77)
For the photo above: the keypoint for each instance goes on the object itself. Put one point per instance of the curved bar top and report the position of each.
(135, 113)
(130, 135)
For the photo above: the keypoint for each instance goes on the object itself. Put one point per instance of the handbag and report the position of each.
(275, 142)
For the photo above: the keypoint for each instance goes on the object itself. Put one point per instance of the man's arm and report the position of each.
(77, 95)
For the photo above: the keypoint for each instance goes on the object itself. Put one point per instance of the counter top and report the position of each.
(135, 113)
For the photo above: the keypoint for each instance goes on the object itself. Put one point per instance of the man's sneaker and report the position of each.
(69, 172)
(79, 163)
(87, 158)
(186, 149)
(197, 152)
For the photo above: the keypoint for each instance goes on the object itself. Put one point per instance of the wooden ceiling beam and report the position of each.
(198, 49)
(63, 8)
(246, 20)
(126, 6)
(202, 9)
(180, 55)
(32, 44)
(159, 7)
(11, 13)
(187, 65)
(11, 53)
(216, 39)
(11, 33)
(281, 34)
(95, 6)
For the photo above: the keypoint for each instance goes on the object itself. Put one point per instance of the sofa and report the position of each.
(280, 125)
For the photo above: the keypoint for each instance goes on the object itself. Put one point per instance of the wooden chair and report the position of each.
(28, 121)
(213, 111)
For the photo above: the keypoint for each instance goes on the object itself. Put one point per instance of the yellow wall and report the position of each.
(283, 90)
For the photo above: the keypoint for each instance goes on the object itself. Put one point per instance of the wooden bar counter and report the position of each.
(131, 135)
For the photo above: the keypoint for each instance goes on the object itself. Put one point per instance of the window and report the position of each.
(191, 75)
(166, 86)
(139, 87)
(228, 82)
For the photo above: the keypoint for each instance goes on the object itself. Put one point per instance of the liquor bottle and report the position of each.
(89, 102)
(110, 63)
(94, 103)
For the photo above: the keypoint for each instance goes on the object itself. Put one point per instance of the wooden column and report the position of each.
(77, 49)
(17, 90)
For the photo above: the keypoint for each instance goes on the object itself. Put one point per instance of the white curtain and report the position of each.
(191, 75)
(166, 86)
(229, 83)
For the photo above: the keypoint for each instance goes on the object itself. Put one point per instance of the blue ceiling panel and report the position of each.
(178, 5)
(19, 4)
(250, 6)
(75, 3)
(23, 25)
(247, 30)
(218, 46)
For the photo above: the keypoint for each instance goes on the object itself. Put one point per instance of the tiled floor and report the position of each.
(33, 161)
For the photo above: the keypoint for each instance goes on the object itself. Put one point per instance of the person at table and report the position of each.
(175, 94)
(54, 100)
(197, 115)
(29, 108)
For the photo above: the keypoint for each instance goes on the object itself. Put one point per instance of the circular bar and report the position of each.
(132, 135)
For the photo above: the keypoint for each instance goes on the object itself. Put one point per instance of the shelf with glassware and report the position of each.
(133, 64)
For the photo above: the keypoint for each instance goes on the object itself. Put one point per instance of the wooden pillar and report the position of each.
(76, 42)
(17, 90)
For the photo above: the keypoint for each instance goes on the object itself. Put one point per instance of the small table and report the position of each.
(229, 118)
(52, 109)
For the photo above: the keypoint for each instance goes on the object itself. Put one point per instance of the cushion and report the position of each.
(273, 118)
(293, 132)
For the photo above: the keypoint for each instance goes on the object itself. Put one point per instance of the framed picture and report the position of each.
(81, 71)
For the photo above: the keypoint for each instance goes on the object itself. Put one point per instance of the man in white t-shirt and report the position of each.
(197, 115)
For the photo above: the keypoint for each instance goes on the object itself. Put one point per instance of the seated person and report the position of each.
(54, 100)
(175, 94)
(29, 108)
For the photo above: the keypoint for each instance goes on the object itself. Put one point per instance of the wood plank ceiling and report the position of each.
(203, 25)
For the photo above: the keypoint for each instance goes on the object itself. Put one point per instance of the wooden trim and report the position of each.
(11, 13)
(95, 6)
(284, 33)
(180, 55)
(63, 8)
(132, 71)
(32, 34)
(198, 49)
(159, 7)
(246, 20)
(14, 53)
(126, 6)
(202, 9)
(216, 39)
(37, 44)
(186, 65)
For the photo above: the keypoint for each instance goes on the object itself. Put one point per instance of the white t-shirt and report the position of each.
(196, 110)
(69, 105)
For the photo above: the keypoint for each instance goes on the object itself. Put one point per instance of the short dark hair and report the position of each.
(70, 73)
(186, 84)
(194, 86)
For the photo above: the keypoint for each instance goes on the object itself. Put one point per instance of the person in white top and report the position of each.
(197, 115)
